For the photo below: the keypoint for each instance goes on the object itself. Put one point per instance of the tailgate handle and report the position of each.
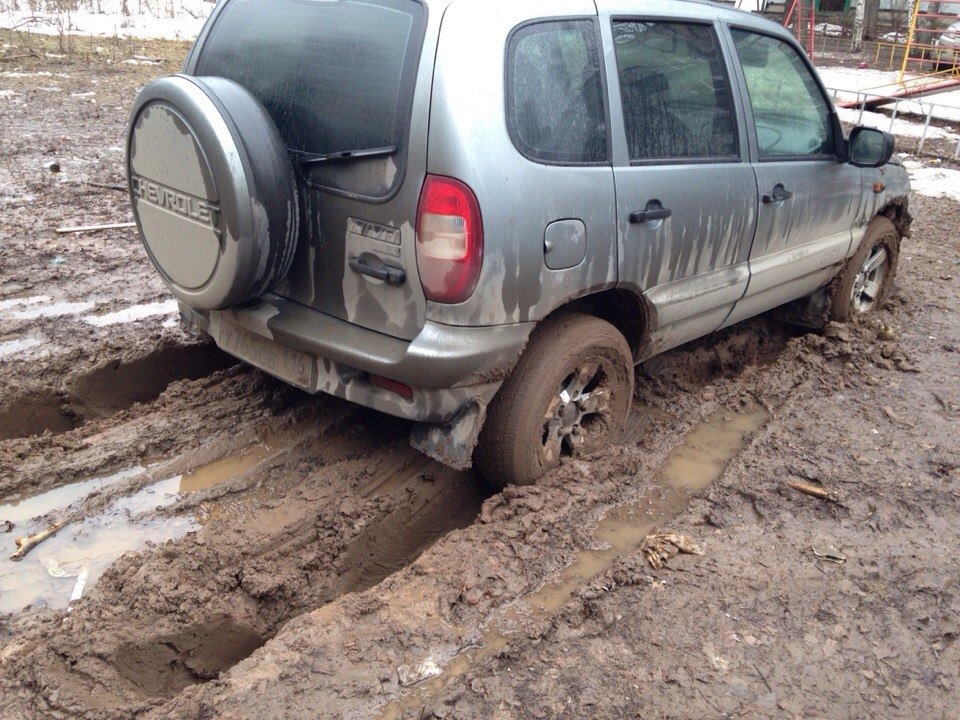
(375, 268)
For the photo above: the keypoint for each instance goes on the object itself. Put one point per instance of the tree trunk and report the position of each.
(871, 13)
(857, 44)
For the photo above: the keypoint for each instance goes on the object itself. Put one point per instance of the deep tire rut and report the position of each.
(106, 389)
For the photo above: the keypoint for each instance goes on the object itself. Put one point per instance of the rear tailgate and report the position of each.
(335, 77)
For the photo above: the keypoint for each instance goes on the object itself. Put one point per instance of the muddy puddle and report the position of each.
(63, 566)
(229, 467)
(689, 468)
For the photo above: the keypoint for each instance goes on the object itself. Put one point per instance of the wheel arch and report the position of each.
(629, 312)
(898, 212)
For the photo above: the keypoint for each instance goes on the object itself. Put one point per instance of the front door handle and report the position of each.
(654, 210)
(779, 194)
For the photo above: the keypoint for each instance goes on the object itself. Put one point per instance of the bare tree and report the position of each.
(899, 14)
(856, 44)
(871, 12)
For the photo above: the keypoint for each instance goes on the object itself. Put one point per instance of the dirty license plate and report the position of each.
(290, 365)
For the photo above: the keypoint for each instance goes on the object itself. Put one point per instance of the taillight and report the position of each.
(449, 240)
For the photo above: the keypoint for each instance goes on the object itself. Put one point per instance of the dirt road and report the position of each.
(242, 550)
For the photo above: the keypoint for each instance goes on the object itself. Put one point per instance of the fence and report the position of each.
(928, 111)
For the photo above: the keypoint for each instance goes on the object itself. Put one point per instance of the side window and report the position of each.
(791, 114)
(555, 109)
(676, 95)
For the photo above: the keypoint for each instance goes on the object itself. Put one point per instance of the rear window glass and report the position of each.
(555, 107)
(677, 103)
(334, 75)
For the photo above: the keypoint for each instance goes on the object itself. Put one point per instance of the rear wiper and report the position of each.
(308, 159)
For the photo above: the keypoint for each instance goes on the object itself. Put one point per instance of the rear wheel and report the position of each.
(569, 395)
(866, 280)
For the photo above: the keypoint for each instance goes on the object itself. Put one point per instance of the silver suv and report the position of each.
(481, 215)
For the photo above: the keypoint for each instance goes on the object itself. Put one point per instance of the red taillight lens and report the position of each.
(449, 240)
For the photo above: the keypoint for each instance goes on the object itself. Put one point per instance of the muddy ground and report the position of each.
(290, 556)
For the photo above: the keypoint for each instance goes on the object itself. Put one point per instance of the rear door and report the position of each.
(809, 200)
(686, 196)
(341, 77)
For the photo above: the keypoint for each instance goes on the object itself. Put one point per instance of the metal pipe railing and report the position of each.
(927, 110)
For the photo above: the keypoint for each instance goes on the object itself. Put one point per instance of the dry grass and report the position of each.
(26, 50)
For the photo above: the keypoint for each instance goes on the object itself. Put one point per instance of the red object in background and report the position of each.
(863, 66)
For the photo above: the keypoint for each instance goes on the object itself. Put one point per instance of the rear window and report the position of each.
(334, 75)
(555, 105)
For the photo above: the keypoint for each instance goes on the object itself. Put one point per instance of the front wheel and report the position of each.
(866, 280)
(569, 395)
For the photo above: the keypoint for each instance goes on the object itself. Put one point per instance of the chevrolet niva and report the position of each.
(481, 215)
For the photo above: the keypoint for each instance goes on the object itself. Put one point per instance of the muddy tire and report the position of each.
(866, 280)
(213, 190)
(569, 395)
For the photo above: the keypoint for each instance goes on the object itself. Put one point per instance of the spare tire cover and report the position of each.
(213, 190)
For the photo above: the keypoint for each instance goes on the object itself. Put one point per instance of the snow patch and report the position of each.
(12, 347)
(133, 313)
(16, 302)
(173, 19)
(57, 309)
(14, 74)
(907, 128)
(933, 181)
(847, 81)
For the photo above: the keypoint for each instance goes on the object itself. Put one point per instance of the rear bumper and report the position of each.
(447, 366)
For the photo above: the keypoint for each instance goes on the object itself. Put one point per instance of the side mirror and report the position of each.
(869, 147)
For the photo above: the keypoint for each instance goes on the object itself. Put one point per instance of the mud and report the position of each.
(105, 389)
(688, 469)
(253, 552)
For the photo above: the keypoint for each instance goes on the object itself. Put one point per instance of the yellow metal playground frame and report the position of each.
(929, 50)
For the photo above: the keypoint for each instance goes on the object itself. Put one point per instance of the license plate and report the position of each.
(289, 365)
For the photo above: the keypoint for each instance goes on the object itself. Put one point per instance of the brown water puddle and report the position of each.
(64, 565)
(229, 467)
(689, 468)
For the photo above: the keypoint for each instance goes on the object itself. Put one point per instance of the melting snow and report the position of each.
(16, 302)
(933, 181)
(12, 347)
(849, 80)
(181, 19)
(906, 128)
(133, 313)
(57, 309)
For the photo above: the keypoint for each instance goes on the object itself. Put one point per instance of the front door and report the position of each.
(808, 199)
(686, 198)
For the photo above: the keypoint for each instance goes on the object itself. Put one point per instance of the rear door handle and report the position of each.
(779, 194)
(378, 270)
(653, 211)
